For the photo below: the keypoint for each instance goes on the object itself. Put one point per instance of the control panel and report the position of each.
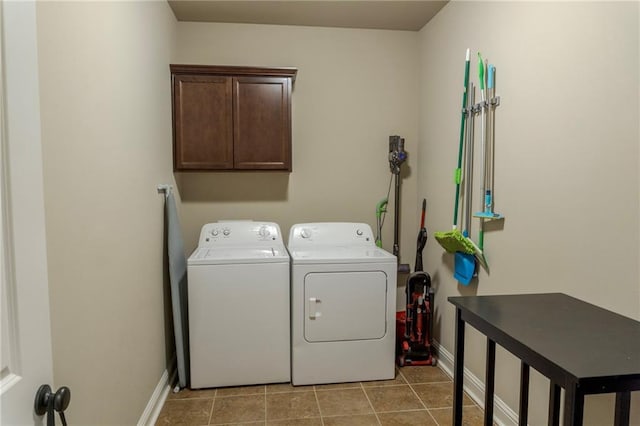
(331, 234)
(240, 233)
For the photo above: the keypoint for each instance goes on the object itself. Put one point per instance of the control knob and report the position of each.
(264, 231)
(305, 233)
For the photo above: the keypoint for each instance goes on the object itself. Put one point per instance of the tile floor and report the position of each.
(419, 395)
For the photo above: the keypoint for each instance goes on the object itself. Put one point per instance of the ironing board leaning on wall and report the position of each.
(178, 280)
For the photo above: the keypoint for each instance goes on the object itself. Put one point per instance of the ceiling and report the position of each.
(387, 15)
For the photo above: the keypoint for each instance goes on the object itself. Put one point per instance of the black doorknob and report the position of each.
(48, 402)
(42, 400)
(61, 399)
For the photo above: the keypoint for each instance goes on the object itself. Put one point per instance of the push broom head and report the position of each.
(453, 241)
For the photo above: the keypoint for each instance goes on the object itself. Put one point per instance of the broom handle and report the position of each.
(483, 145)
(468, 177)
(458, 173)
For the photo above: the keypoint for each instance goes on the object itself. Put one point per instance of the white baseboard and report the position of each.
(503, 415)
(159, 396)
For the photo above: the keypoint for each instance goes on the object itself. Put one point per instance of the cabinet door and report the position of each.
(262, 123)
(203, 124)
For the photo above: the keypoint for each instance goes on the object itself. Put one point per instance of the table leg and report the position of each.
(573, 406)
(554, 405)
(490, 374)
(523, 416)
(623, 405)
(458, 370)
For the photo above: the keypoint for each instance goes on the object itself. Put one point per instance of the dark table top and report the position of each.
(582, 339)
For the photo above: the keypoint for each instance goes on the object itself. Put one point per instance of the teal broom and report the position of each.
(484, 105)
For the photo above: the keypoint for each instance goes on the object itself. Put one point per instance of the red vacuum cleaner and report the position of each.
(415, 330)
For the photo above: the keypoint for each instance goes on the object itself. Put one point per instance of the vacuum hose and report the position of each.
(381, 208)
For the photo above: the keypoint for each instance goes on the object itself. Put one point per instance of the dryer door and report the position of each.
(345, 306)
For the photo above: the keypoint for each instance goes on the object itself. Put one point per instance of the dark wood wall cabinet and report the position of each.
(231, 118)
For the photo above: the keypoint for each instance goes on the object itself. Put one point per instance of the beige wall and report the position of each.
(567, 175)
(566, 158)
(106, 135)
(354, 89)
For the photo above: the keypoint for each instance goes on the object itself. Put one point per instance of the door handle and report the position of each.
(312, 305)
(48, 403)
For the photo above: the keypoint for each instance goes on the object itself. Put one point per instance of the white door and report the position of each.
(345, 306)
(24, 311)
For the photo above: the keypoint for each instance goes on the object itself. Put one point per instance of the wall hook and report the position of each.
(165, 188)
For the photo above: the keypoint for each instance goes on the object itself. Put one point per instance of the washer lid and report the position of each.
(219, 256)
(341, 255)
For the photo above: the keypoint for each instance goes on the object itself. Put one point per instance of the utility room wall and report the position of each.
(106, 142)
(566, 163)
(353, 90)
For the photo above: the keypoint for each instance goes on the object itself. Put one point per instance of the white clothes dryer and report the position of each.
(239, 317)
(343, 304)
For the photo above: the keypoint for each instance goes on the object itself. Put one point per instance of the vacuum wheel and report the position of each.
(401, 361)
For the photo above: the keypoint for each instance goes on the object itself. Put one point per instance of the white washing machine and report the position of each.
(343, 304)
(239, 318)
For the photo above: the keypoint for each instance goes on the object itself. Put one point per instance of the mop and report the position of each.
(483, 106)
(453, 241)
(487, 211)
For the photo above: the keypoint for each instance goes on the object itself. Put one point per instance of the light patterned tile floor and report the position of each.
(419, 395)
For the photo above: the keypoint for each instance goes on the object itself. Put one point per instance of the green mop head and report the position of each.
(453, 241)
